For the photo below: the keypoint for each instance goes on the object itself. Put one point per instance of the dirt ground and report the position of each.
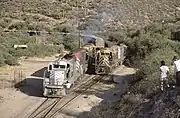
(15, 102)
(18, 103)
(100, 92)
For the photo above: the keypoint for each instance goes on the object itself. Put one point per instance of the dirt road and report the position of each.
(15, 102)
(20, 103)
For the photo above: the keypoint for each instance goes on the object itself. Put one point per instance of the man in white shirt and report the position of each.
(177, 71)
(164, 71)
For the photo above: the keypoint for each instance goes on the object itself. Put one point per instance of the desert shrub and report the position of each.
(40, 50)
(147, 47)
(10, 60)
(3, 23)
(93, 25)
(55, 15)
(70, 42)
(38, 27)
(2, 60)
(155, 28)
(82, 26)
(65, 28)
(151, 63)
(119, 36)
(6, 58)
(18, 26)
(10, 56)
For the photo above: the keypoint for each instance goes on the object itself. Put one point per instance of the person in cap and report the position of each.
(164, 71)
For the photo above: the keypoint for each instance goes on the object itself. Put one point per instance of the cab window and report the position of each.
(56, 66)
(50, 67)
(62, 66)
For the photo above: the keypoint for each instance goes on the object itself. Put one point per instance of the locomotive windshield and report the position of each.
(104, 53)
(59, 66)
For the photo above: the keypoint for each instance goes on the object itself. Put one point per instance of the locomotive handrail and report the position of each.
(44, 74)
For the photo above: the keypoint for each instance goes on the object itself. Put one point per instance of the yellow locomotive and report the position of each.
(109, 58)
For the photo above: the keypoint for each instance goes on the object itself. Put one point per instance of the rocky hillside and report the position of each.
(149, 45)
(47, 14)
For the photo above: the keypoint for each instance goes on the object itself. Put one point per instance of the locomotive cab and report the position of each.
(59, 78)
(109, 58)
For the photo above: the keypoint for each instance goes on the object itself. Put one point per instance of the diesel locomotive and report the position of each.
(62, 73)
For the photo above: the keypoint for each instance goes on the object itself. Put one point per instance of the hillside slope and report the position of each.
(149, 45)
(109, 13)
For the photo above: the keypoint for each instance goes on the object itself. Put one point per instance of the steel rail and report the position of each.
(59, 107)
(47, 105)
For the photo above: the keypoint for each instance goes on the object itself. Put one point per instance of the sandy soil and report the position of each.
(15, 104)
(102, 91)
(18, 103)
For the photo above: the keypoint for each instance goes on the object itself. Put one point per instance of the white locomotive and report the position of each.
(61, 74)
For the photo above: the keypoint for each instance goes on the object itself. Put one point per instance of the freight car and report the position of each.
(109, 58)
(61, 74)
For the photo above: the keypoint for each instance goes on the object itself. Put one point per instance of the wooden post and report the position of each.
(14, 76)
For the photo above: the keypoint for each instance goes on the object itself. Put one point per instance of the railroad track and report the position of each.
(50, 107)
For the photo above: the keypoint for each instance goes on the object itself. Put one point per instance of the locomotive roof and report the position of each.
(78, 50)
(62, 61)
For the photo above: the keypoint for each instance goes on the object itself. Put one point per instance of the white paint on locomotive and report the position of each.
(61, 75)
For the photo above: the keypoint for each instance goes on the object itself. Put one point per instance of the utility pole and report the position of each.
(78, 19)
(79, 34)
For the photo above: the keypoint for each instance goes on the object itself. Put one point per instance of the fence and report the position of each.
(13, 79)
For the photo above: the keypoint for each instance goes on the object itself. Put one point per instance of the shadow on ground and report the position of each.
(32, 85)
(39, 73)
(91, 67)
(121, 84)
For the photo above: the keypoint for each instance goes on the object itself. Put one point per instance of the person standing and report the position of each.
(164, 71)
(177, 70)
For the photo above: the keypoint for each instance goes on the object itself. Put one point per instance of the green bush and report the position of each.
(9, 55)
(151, 63)
(10, 60)
(18, 26)
(119, 36)
(65, 28)
(2, 60)
(148, 46)
(70, 42)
